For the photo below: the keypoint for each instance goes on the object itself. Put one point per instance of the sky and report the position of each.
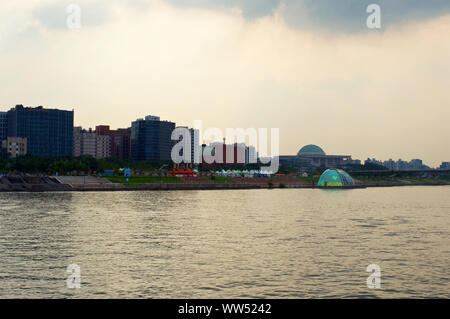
(311, 68)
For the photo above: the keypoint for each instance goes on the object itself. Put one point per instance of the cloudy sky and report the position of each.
(309, 67)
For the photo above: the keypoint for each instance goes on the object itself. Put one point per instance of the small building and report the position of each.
(15, 146)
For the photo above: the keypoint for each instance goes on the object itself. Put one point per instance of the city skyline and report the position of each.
(369, 93)
(105, 129)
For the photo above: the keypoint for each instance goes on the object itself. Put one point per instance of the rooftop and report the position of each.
(311, 149)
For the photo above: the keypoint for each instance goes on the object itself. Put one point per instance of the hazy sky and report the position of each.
(311, 68)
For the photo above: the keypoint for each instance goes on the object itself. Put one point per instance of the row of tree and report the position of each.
(49, 165)
(63, 165)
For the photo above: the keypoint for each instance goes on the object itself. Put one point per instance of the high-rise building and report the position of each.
(87, 142)
(400, 165)
(220, 154)
(415, 164)
(3, 126)
(49, 132)
(120, 140)
(251, 155)
(151, 139)
(194, 144)
(445, 165)
(390, 164)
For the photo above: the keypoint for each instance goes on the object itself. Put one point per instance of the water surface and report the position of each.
(289, 243)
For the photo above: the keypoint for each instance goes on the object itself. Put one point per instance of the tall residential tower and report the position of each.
(49, 132)
(3, 126)
(151, 139)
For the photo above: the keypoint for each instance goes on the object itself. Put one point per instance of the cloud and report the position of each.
(330, 15)
(347, 16)
(53, 15)
(377, 94)
(250, 8)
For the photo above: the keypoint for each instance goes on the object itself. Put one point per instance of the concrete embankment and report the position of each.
(91, 183)
(31, 184)
(162, 187)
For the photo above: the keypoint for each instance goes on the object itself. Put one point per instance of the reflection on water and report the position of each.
(219, 244)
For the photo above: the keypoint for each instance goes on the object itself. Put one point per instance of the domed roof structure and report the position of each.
(311, 150)
(335, 178)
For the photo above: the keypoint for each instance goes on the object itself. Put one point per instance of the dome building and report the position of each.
(335, 178)
(312, 156)
(311, 149)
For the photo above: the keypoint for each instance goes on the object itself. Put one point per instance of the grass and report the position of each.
(309, 179)
(222, 180)
(141, 180)
(412, 180)
(376, 179)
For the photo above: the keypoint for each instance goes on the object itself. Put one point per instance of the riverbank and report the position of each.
(95, 184)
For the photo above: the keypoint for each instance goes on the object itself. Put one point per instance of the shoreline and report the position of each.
(109, 187)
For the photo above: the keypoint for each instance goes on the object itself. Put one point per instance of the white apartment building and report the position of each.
(87, 142)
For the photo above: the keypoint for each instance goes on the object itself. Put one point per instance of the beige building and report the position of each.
(87, 142)
(15, 146)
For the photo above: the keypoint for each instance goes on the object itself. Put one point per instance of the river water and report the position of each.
(281, 243)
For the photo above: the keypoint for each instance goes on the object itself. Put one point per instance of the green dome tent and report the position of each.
(335, 178)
